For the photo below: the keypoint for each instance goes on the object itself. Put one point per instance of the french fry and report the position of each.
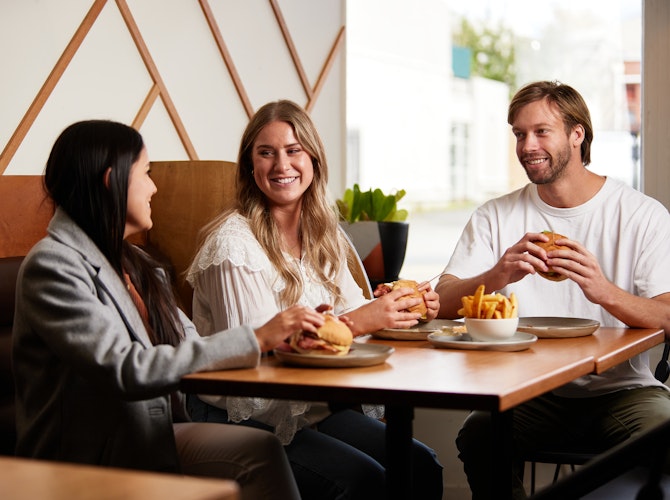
(507, 308)
(466, 310)
(483, 305)
(477, 302)
(515, 305)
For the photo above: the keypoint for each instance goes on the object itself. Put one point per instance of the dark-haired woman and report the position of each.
(100, 345)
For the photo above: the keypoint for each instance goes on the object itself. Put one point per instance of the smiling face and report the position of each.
(543, 147)
(282, 169)
(140, 190)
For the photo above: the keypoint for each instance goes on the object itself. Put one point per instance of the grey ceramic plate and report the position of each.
(518, 342)
(358, 355)
(417, 332)
(557, 328)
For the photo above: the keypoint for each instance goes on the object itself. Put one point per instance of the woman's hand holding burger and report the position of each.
(432, 300)
(391, 310)
(428, 307)
(399, 306)
(284, 324)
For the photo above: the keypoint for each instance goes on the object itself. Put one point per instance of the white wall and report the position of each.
(399, 69)
(107, 77)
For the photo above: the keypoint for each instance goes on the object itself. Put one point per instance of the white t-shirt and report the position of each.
(627, 231)
(235, 283)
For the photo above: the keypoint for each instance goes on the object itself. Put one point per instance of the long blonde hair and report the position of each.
(323, 244)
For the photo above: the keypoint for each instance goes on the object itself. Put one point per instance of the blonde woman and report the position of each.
(280, 245)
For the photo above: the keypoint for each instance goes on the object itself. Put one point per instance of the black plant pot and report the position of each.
(381, 246)
(393, 236)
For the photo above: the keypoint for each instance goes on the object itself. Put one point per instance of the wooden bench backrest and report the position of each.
(190, 194)
(25, 212)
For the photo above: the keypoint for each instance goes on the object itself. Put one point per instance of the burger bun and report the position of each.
(551, 275)
(419, 308)
(333, 338)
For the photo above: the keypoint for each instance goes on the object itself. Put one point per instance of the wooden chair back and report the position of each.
(357, 269)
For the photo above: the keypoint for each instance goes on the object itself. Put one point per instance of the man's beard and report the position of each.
(553, 172)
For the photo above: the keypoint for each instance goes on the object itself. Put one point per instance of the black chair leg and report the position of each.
(557, 471)
(532, 478)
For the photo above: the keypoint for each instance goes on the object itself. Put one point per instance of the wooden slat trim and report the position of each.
(143, 112)
(50, 83)
(155, 75)
(227, 59)
(326, 69)
(291, 47)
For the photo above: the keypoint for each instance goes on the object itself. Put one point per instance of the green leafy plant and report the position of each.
(371, 205)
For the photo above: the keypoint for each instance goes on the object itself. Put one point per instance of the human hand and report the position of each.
(391, 310)
(294, 319)
(324, 308)
(582, 267)
(518, 261)
(432, 300)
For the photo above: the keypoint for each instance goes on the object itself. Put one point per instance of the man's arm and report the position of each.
(581, 266)
(639, 312)
(516, 263)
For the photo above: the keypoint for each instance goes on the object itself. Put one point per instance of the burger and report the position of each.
(333, 338)
(384, 288)
(551, 245)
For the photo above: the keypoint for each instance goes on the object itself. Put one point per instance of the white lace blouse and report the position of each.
(235, 283)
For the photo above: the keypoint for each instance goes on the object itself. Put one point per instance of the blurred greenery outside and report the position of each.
(492, 53)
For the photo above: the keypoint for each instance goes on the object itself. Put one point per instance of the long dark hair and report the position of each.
(74, 179)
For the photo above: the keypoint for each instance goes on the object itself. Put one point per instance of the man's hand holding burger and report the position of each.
(572, 261)
(549, 244)
(525, 257)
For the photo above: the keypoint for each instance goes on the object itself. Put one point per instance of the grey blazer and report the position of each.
(90, 387)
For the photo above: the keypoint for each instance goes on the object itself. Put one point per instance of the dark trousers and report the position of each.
(343, 457)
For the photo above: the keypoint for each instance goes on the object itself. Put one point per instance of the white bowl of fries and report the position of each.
(491, 330)
(490, 317)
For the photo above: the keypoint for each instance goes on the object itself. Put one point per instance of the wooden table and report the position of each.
(24, 479)
(420, 375)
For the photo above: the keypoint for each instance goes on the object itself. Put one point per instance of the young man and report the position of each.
(616, 267)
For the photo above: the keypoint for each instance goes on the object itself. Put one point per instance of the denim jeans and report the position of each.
(343, 457)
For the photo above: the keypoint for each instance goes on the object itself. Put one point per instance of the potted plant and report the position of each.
(377, 229)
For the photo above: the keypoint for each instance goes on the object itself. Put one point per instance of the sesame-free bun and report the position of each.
(551, 245)
(332, 338)
(335, 332)
(421, 307)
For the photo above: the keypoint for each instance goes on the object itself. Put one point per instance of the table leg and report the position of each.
(399, 451)
(502, 456)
